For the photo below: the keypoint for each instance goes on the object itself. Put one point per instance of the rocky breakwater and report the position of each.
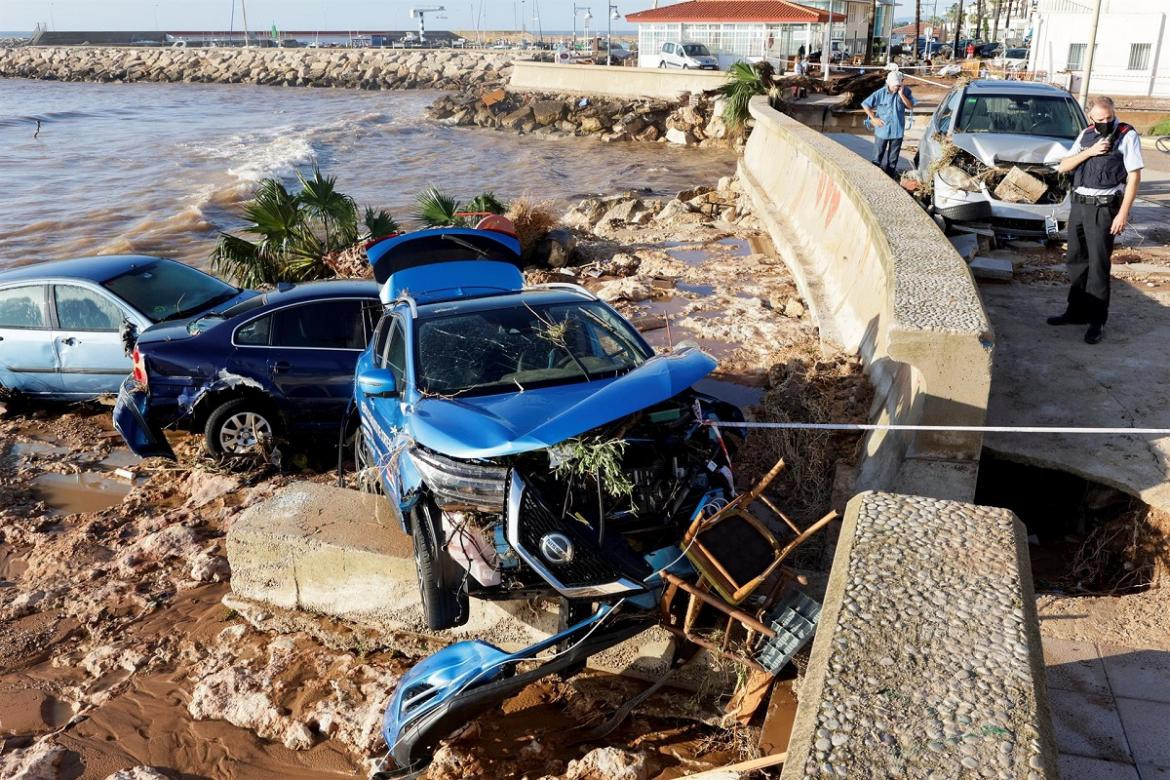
(350, 68)
(693, 120)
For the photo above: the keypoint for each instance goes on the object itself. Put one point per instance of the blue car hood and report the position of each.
(491, 426)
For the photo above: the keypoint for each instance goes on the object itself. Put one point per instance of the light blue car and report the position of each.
(62, 323)
(488, 410)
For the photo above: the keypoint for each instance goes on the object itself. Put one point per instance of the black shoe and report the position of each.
(1094, 334)
(1066, 319)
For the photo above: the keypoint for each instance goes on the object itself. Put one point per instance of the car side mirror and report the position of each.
(377, 383)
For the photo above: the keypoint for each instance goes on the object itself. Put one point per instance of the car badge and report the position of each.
(556, 548)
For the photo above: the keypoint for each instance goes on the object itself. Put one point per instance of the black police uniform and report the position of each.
(1090, 242)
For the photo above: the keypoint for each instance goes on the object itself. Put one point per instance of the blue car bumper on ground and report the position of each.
(132, 421)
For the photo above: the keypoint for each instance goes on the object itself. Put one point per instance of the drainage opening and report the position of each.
(1084, 538)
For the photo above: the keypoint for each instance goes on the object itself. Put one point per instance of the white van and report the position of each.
(688, 56)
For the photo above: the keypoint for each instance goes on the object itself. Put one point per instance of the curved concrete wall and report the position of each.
(613, 81)
(882, 281)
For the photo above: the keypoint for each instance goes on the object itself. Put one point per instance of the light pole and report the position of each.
(523, 21)
(1090, 51)
(613, 16)
(588, 16)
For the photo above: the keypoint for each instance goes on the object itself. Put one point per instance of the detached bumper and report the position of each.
(131, 419)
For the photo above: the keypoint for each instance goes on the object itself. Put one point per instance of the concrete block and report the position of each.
(994, 268)
(1082, 768)
(967, 245)
(1138, 674)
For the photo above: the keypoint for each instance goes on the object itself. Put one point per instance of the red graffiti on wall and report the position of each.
(828, 197)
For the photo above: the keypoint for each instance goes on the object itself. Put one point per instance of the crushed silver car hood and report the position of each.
(994, 148)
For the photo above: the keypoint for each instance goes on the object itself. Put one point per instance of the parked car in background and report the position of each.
(61, 322)
(687, 56)
(275, 365)
(989, 50)
(1012, 59)
(981, 131)
(485, 407)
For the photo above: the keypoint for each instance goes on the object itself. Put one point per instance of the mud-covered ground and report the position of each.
(116, 651)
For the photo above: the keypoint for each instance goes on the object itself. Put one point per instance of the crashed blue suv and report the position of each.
(533, 441)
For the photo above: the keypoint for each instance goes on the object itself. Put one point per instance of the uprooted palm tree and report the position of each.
(437, 209)
(299, 237)
(744, 82)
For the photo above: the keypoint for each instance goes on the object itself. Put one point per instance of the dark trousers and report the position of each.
(1089, 246)
(886, 152)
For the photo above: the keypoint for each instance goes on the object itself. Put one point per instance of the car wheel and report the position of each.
(237, 428)
(444, 599)
(686, 67)
(662, 64)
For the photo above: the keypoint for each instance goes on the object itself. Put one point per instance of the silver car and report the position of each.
(980, 132)
(687, 56)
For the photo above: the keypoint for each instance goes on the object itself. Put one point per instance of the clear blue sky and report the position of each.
(293, 14)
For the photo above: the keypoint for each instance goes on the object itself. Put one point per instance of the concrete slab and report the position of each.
(1147, 730)
(1082, 768)
(1047, 375)
(1087, 725)
(992, 268)
(1138, 674)
(1075, 666)
(967, 245)
(1153, 772)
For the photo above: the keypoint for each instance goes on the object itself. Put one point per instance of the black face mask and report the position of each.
(1103, 128)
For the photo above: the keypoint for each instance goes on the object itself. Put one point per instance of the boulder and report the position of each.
(651, 133)
(680, 137)
(556, 249)
(517, 118)
(591, 124)
(546, 112)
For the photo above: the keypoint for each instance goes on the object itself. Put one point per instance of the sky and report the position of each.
(140, 15)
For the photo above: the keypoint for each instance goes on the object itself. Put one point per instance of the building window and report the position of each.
(1139, 56)
(1076, 55)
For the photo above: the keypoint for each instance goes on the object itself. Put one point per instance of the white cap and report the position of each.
(894, 79)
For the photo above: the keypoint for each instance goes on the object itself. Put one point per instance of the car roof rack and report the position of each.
(562, 286)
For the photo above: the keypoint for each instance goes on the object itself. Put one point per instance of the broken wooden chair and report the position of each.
(736, 551)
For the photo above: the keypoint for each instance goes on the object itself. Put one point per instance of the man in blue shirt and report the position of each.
(886, 110)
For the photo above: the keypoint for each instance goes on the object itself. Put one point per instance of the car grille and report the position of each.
(588, 573)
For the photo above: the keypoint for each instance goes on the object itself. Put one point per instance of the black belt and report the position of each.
(1097, 200)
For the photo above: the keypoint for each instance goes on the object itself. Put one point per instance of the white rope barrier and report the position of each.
(942, 428)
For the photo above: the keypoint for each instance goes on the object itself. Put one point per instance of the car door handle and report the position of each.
(279, 366)
(69, 340)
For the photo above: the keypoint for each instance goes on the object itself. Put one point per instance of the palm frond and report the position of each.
(379, 223)
(486, 202)
(244, 262)
(743, 83)
(436, 209)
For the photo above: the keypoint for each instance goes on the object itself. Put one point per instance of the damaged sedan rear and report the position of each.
(532, 440)
(990, 152)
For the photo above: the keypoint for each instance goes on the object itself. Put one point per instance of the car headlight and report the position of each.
(459, 484)
(959, 179)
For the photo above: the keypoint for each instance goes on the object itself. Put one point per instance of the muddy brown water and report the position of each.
(68, 494)
(209, 144)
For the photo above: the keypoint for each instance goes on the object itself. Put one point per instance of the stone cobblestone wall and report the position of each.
(927, 661)
(352, 68)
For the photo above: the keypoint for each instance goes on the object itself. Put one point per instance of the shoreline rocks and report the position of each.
(344, 68)
(692, 120)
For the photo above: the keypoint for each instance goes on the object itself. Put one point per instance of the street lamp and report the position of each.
(613, 16)
(587, 17)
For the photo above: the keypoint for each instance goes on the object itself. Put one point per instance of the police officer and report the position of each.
(1106, 163)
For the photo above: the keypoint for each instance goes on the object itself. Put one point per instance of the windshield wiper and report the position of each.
(468, 245)
(207, 304)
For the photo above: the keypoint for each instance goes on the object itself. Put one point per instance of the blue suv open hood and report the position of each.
(446, 263)
(492, 426)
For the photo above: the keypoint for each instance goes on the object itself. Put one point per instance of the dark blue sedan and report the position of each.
(275, 365)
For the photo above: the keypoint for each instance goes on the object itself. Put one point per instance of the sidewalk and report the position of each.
(1110, 710)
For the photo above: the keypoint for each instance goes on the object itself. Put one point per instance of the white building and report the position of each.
(1133, 50)
(753, 29)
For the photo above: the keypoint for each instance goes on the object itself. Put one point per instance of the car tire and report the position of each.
(686, 67)
(662, 64)
(234, 427)
(444, 599)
